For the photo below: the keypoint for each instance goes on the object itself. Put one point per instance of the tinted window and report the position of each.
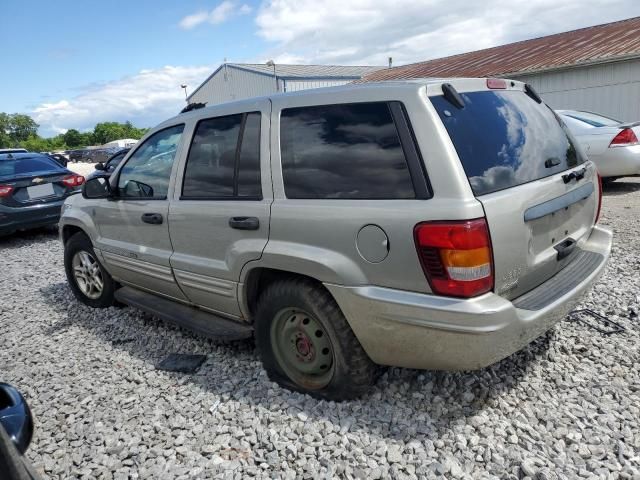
(504, 138)
(249, 162)
(23, 166)
(212, 158)
(147, 171)
(218, 165)
(343, 151)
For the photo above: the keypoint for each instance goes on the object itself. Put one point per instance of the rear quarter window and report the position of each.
(345, 151)
(505, 139)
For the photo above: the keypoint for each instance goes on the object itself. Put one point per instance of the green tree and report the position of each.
(19, 130)
(5, 139)
(36, 144)
(16, 128)
(73, 138)
(106, 132)
(21, 127)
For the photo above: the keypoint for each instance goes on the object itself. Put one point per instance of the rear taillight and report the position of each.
(73, 180)
(625, 138)
(5, 190)
(456, 256)
(496, 83)
(599, 197)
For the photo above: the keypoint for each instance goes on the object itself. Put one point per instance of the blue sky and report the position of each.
(74, 63)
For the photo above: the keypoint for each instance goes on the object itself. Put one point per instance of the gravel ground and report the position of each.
(567, 406)
(81, 168)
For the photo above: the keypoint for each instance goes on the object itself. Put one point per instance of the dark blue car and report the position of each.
(32, 190)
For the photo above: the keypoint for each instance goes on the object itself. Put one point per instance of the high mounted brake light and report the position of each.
(456, 256)
(625, 138)
(496, 83)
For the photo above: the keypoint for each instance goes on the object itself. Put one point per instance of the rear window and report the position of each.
(25, 166)
(505, 139)
(347, 151)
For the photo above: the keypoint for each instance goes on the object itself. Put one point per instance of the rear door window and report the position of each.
(346, 151)
(224, 159)
(505, 139)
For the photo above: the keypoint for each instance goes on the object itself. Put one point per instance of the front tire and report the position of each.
(89, 281)
(306, 344)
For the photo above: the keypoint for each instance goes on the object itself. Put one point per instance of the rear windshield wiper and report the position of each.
(452, 95)
(528, 89)
(552, 162)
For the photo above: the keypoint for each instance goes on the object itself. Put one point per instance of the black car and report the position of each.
(16, 430)
(110, 165)
(32, 190)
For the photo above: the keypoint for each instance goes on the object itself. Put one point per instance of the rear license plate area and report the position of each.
(40, 191)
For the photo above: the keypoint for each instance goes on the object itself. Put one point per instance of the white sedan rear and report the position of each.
(612, 145)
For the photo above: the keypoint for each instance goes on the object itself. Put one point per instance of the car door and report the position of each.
(134, 233)
(219, 216)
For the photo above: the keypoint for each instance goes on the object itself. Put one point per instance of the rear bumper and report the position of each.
(12, 219)
(415, 330)
(619, 162)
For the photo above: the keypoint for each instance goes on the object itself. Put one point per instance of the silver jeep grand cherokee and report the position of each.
(433, 224)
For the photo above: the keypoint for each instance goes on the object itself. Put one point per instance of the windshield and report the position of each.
(115, 161)
(593, 119)
(505, 138)
(25, 166)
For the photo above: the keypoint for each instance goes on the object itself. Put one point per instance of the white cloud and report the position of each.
(146, 98)
(218, 15)
(369, 31)
(193, 20)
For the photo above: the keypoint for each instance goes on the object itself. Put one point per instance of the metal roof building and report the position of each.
(595, 68)
(235, 81)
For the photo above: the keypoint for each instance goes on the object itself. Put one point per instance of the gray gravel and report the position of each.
(568, 406)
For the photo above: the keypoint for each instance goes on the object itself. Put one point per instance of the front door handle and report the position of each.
(152, 218)
(244, 223)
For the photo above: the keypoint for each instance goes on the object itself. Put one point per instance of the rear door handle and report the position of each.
(244, 223)
(152, 218)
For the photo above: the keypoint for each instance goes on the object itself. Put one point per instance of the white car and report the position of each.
(612, 145)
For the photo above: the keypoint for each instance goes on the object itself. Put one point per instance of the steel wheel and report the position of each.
(302, 348)
(87, 274)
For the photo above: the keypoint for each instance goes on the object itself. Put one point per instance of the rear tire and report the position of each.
(306, 344)
(89, 281)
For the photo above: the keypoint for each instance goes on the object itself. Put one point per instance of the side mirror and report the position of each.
(15, 417)
(97, 187)
(99, 166)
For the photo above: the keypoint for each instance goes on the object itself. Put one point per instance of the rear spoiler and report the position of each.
(629, 125)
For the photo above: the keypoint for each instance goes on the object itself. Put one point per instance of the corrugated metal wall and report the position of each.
(612, 89)
(233, 84)
(295, 85)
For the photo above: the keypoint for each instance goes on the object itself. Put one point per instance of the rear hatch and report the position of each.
(520, 162)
